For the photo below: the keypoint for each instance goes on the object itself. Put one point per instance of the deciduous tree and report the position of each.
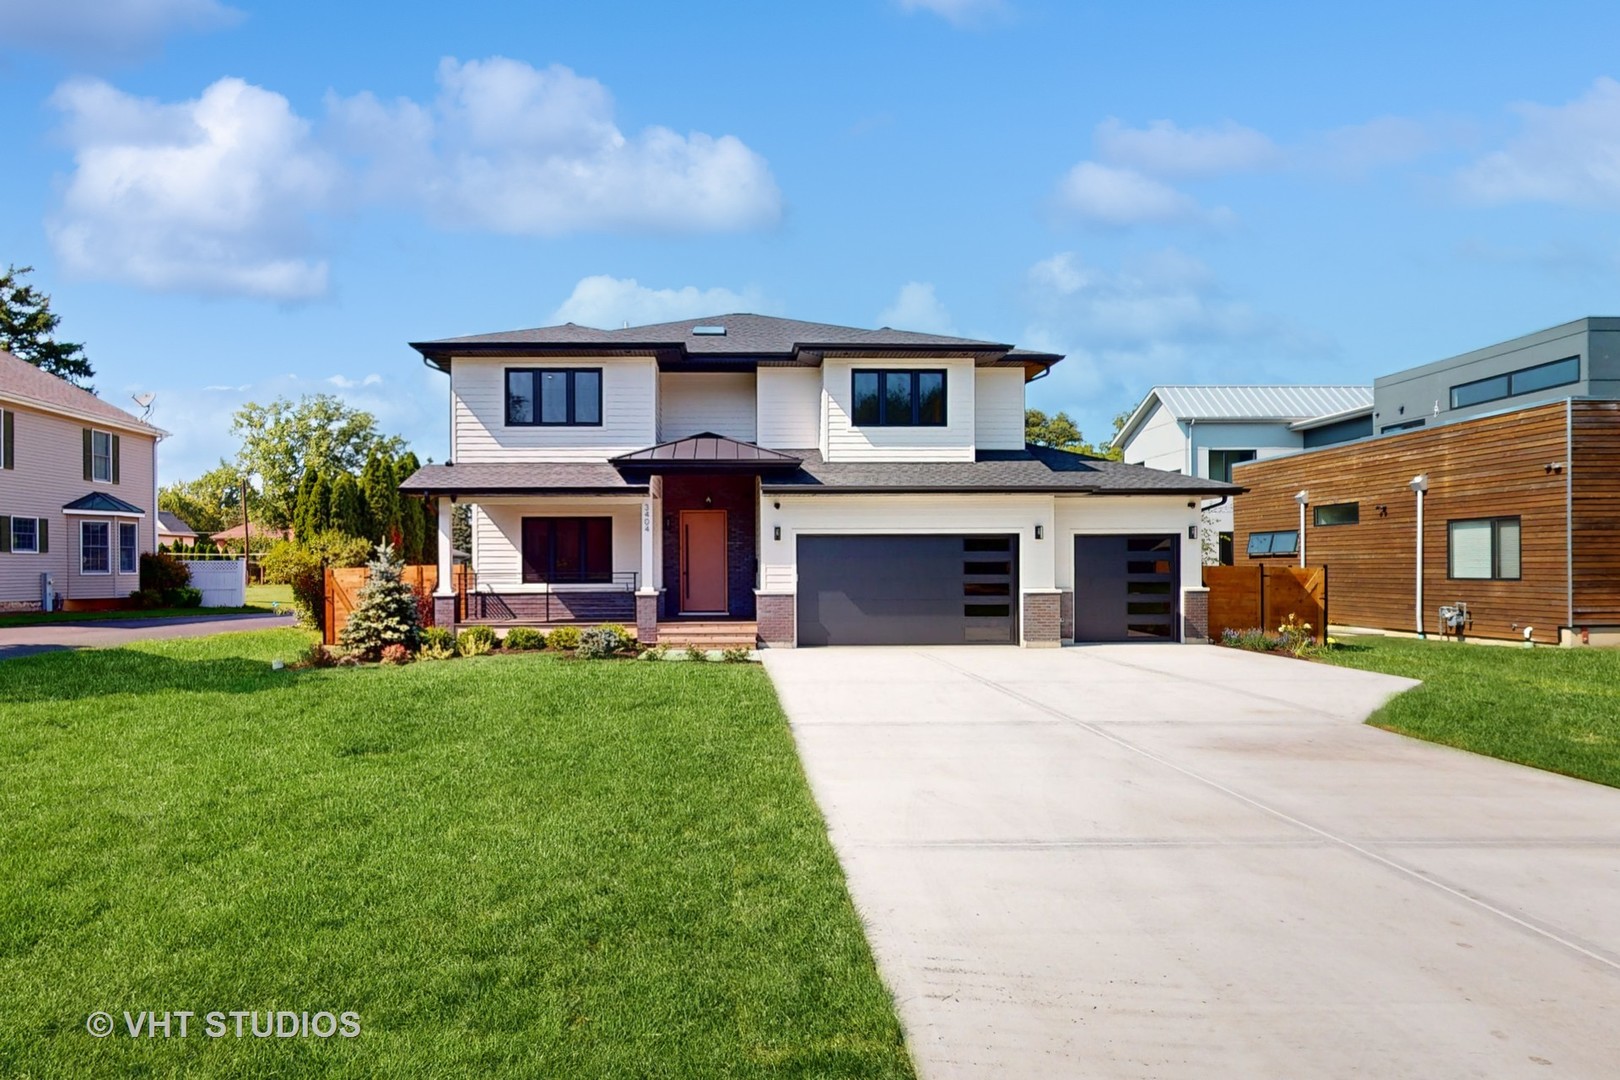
(283, 439)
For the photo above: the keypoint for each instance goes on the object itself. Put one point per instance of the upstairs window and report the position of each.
(101, 456)
(898, 399)
(1513, 383)
(1221, 462)
(1483, 549)
(1265, 544)
(1336, 514)
(563, 397)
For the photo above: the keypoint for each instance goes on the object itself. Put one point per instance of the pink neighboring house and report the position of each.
(77, 491)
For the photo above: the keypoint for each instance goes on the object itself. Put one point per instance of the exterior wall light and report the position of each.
(776, 533)
(1040, 531)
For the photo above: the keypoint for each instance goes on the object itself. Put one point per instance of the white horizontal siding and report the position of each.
(998, 409)
(690, 403)
(478, 404)
(789, 407)
(1159, 443)
(899, 514)
(847, 442)
(498, 535)
(49, 473)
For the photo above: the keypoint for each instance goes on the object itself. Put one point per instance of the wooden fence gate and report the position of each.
(1262, 596)
(343, 591)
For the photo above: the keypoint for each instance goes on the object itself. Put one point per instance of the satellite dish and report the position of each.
(144, 400)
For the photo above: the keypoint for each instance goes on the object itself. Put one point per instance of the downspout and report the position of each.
(1420, 485)
(1192, 448)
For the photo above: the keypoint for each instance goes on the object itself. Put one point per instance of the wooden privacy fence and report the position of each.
(343, 591)
(1261, 595)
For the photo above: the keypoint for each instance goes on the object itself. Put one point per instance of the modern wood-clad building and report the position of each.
(1520, 523)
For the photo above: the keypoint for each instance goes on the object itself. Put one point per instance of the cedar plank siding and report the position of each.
(1489, 467)
(1595, 511)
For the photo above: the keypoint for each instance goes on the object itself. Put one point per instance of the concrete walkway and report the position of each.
(18, 641)
(1180, 861)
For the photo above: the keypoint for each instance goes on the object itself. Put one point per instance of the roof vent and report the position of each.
(710, 331)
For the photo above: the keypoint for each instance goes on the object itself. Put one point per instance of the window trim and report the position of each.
(1317, 509)
(545, 574)
(1511, 378)
(1223, 450)
(95, 457)
(572, 406)
(134, 548)
(915, 374)
(1272, 535)
(1496, 524)
(83, 525)
(14, 549)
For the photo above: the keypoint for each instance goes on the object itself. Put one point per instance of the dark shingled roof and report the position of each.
(99, 502)
(521, 478)
(173, 523)
(708, 451)
(747, 339)
(1032, 469)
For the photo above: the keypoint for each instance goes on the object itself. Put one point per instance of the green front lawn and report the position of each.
(41, 618)
(507, 866)
(1556, 709)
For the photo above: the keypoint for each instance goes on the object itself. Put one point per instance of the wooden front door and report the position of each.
(703, 562)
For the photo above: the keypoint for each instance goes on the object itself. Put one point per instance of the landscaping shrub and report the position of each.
(524, 639)
(396, 654)
(386, 611)
(564, 637)
(695, 653)
(601, 643)
(146, 598)
(281, 562)
(438, 643)
(339, 549)
(1253, 640)
(737, 655)
(162, 572)
(183, 597)
(318, 656)
(656, 652)
(476, 641)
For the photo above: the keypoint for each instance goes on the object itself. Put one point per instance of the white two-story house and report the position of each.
(816, 484)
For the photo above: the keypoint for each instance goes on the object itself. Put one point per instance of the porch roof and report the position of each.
(707, 452)
(520, 478)
(101, 503)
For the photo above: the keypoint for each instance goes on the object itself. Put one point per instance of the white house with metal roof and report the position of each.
(1202, 431)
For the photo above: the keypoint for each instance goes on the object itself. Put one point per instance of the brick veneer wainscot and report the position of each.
(775, 613)
(1195, 616)
(1043, 618)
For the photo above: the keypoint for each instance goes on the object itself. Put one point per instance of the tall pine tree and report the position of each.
(305, 524)
(348, 507)
(411, 522)
(381, 498)
(320, 505)
(28, 328)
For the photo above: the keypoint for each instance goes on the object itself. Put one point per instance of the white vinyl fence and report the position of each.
(223, 582)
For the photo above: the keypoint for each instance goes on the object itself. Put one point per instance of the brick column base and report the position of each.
(1195, 616)
(444, 612)
(774, 613)
(1066, 615)
(1043, 619)
(647, 616)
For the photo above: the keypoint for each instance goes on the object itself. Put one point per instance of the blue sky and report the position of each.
(238, 201)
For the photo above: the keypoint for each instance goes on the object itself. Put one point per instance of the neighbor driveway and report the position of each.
(1185, 861)
(18, 641)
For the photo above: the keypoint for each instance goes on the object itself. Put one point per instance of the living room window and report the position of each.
(898, 398)
(567, 550)
(95, 547)
(562, 397)
(129, 554)
(1221, 462)
(1483, 549)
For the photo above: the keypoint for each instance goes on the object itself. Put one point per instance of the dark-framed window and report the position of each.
(1483, 549)
(554, 397)
(566, 550)
(1282, 542)
(129, 547)
(898, 398)
(95, 547)
(1221, 462)
(1336, 514)
(1513, 383)
(1404, 425)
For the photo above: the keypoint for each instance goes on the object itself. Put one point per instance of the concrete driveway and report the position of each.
(18, 641)
(1185, 861)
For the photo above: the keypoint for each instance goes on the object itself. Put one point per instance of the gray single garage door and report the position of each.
(1125, 588)
(908, 590)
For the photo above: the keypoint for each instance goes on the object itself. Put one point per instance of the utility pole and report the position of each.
(247, 539)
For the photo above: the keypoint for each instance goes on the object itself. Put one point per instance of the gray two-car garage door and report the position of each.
(908, 590)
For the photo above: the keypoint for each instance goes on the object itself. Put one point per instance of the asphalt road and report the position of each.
(18, 641)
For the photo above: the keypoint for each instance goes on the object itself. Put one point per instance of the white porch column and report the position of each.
(446, 586)
(649, 543)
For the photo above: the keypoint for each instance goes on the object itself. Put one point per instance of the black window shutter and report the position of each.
(115, 459)
(5, 533)
(8, 439)
(44, 536)
(89, 457)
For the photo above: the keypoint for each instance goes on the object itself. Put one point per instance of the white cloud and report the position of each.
(1166, 149)
(917, 308)
(210, 195)
(106, 27)
(1564, 154)
(608, 303)
(511, 148)
(1105, 195)
(343, 382)
(957, 12)
(1357, 149)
